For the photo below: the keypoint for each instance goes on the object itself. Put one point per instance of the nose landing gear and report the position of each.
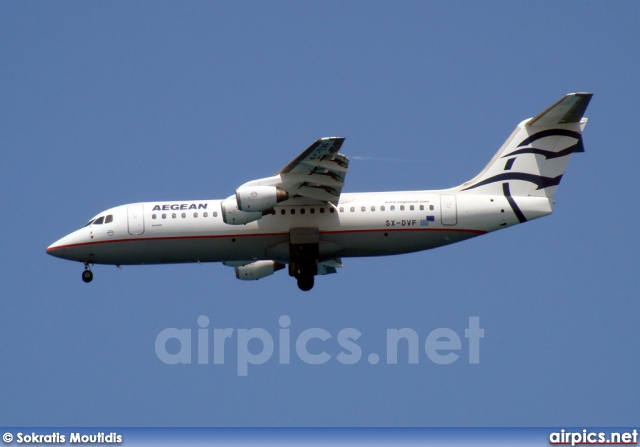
(87, 274)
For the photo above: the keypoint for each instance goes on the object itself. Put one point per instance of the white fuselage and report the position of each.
(362, 224)
(300, 216)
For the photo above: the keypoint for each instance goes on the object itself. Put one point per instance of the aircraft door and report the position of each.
(135, 219)
(448, 209)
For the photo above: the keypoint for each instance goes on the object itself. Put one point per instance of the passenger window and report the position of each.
(392, 207)
(205, 214)
(173, 215)
(382, 208)
(293, 211)
(312, 210)
(108, 219)
(421, 207)
(153, 216)
(431, 207)
(342, 209)
(363, 208)
(373, 208)
(164, 216)
(302, 211)
(332, 210)
(215, 214)
(283, 212)
(352, 209)
(184, 215)
(321, 210)
(99, 220)
(401, 207)
(195, 214)
(411, 208)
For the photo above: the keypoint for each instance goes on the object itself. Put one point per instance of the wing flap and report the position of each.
(326, 179)
(318, 193)
(331, 165)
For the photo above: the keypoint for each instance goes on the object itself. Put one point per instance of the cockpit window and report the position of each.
(99, 220)
(108, 219)
(88, 223)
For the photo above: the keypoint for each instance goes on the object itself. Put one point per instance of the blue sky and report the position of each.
(103, 104)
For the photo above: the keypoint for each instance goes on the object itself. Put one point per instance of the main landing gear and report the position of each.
(87, 274)
(303, 256)
(305, 283)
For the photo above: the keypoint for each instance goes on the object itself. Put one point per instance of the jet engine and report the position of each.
(257, 270)
(259, 198)
(233, 216)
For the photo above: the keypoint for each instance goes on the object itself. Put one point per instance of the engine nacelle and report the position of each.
(233, 216)
(259, 198)
(257, 270)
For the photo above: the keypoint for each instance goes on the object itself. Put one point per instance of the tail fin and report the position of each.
(533, 159)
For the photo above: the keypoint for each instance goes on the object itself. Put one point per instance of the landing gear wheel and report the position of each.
(87, 276)
(305, 283)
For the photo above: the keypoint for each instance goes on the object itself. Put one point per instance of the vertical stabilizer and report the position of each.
(533, 159)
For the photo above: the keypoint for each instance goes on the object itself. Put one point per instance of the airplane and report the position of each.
(300, 218)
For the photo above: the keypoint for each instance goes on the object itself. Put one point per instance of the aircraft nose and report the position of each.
(72, 247)
(57, 248)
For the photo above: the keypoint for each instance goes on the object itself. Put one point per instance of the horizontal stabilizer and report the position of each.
(328, 267)
(569, 109)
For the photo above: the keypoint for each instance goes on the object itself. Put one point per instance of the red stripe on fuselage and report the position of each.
(168, 238)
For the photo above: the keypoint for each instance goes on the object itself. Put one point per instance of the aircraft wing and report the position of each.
(317, 174)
